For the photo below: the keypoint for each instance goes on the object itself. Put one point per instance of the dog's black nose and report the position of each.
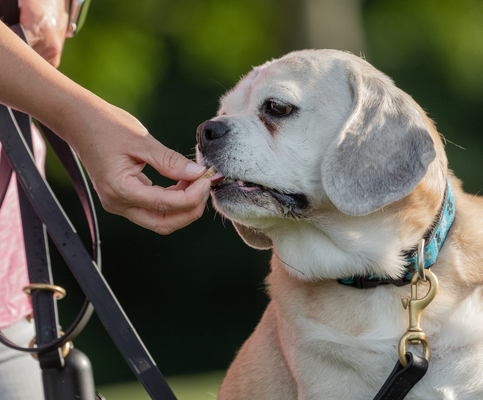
(211, 130)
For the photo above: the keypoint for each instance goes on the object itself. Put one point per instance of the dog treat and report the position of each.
(208, 174)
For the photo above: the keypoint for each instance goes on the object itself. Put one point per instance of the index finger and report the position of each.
(170, 163)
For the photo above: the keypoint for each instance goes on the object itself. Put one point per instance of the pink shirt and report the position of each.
(14, 304)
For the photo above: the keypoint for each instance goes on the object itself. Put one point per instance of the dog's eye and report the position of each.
(277, 108)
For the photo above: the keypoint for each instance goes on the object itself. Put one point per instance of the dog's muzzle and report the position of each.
(212, 138)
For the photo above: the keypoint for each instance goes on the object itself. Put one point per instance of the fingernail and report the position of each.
(194, 168)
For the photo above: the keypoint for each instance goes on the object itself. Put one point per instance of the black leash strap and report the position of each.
(5, 175)
(82, 266)
(402, 379)
(44, 304)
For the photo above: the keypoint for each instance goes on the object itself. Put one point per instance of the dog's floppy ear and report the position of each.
(382, 152)
(253, 237)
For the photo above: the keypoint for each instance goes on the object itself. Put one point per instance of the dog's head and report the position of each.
(314, 130)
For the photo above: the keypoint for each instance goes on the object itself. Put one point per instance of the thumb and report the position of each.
(173, 165)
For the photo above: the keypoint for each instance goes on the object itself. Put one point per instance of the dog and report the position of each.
(321, 158)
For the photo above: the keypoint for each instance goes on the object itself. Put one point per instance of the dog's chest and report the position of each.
(329, 311)
(342, 342)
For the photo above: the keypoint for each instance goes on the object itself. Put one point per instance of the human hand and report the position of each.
(114, 148)
(45, 25)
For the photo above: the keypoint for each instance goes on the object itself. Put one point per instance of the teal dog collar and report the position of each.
(434, 240)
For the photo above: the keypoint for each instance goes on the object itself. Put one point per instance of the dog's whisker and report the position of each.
(262, 286)
(219, 83)
(223, 219)
(454, 144)
(287, 264)
(446, 141)
(263, 172)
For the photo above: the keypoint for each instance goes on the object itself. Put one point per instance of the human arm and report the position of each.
(113, 145)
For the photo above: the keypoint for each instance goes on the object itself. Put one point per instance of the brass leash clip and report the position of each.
(414, 334)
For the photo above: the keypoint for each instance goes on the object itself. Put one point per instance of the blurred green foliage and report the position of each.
(447, 31)
(196, 295)
(433, 49)
(122, 53)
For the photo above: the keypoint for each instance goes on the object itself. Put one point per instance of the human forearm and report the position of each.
(29, 83)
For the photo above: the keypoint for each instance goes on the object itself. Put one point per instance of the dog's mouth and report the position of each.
(223, 186)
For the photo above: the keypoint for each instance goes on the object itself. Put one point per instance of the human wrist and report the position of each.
(77, 110)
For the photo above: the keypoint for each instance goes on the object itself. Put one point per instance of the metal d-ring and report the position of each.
(59, 292)
(413, 338)
(65, 347)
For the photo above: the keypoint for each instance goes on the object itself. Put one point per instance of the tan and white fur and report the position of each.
(339, 172)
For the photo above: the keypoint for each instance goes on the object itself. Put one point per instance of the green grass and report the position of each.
(187, 387)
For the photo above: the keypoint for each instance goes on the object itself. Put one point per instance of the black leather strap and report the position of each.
(5, 175)
(44, 303)
(402, 379)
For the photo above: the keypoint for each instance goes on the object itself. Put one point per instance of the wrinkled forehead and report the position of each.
(239, 96)
(288, 78)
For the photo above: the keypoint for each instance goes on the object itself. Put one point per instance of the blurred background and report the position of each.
(196, 295)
